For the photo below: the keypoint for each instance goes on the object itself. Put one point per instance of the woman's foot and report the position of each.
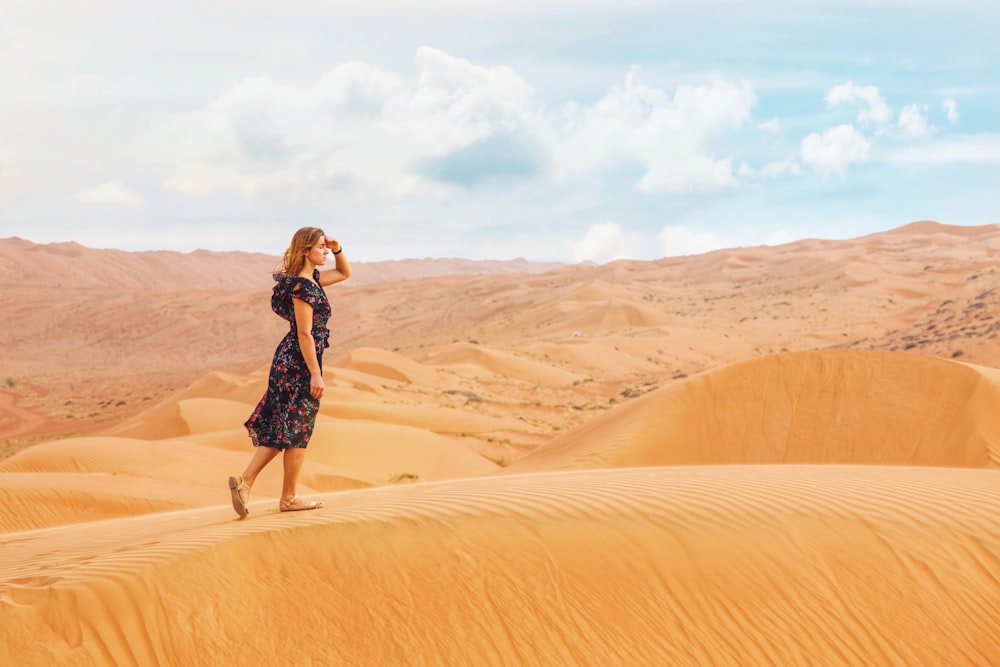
(240, 493)
(295, 504)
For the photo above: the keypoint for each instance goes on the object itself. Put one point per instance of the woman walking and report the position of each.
(283, 420)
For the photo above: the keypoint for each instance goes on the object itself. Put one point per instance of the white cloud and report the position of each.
(368, 132)
(112, 193)
(679, 240)
(951, 109)
(604, 242)
(25, 47)
(669, 136)
(771, 169)
(982, 148)
(360, 130)
(27, 60)
(773, 126)
(877, 111)
(697, 173)
(92, 87)
(913, 123)
(834, 149)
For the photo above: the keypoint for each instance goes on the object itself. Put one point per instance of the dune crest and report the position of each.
(471, 359)
(806, 407)
(926, 288)
(721, 565)
(388, 365)
(772, 455)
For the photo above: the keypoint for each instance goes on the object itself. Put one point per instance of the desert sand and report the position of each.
(774, 455)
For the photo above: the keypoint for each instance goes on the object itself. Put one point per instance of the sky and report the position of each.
(549, 130)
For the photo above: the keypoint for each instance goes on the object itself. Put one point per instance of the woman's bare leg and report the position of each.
(294, 458)
(239, 488)
(261, 457)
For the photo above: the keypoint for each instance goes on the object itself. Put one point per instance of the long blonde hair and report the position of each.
(295, 257)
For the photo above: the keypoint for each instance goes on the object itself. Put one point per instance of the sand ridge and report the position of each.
(772, 455)
(927, 288)
(831, 406)
(661, 585)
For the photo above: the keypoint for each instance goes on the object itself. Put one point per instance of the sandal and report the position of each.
(288, 505)
(237, 488)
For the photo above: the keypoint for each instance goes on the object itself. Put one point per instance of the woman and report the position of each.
(283, 420)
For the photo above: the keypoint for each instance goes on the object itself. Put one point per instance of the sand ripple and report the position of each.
(705, 565)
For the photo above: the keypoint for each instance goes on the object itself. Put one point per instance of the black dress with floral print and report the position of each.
(286, 414)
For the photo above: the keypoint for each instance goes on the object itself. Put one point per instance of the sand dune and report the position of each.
(926, 287)
(34, 500)
(610, 314)
(706, 565)
(89, 479)
(805, 407)
(380, 363)
(390, 451)
(474, 359)
(24, 262)
(145, 325)
(772, 455)
(429, 416)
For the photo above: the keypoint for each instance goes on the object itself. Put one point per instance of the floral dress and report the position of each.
(286, 414)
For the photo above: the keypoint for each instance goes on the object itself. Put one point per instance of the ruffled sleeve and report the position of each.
(288, 287)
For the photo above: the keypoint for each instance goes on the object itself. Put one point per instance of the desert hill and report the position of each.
(850, 407)
(617, 330)
(69, 264)
(775, 455)
(134, 327)
(621, 327)
(721, 565)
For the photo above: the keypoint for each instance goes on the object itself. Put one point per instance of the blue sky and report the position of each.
(555, 131)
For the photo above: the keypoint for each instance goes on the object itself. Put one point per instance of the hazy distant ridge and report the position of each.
(69, 264)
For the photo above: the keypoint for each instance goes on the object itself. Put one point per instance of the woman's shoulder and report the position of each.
(290, 277)
(286, 285)
(292, 285)
(289, 280)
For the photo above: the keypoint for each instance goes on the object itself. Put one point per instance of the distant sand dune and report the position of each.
(728, 565)
(748, 456)
(204, 415)
(160, 421)
(611, 315)
(592, 290)
(804, 407)
(476, 358)
(431, 417)
(33, 500)
(129, 456)
(601, 354)
(89, 479)
(182, 416)
(244, 388)
(387, 451)
(233, 439)
(388, 365)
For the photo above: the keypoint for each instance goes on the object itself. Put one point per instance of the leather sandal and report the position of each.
(289, 505)
(237, 488)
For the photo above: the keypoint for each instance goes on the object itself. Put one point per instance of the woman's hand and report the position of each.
(316, 385)
(343, 269)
